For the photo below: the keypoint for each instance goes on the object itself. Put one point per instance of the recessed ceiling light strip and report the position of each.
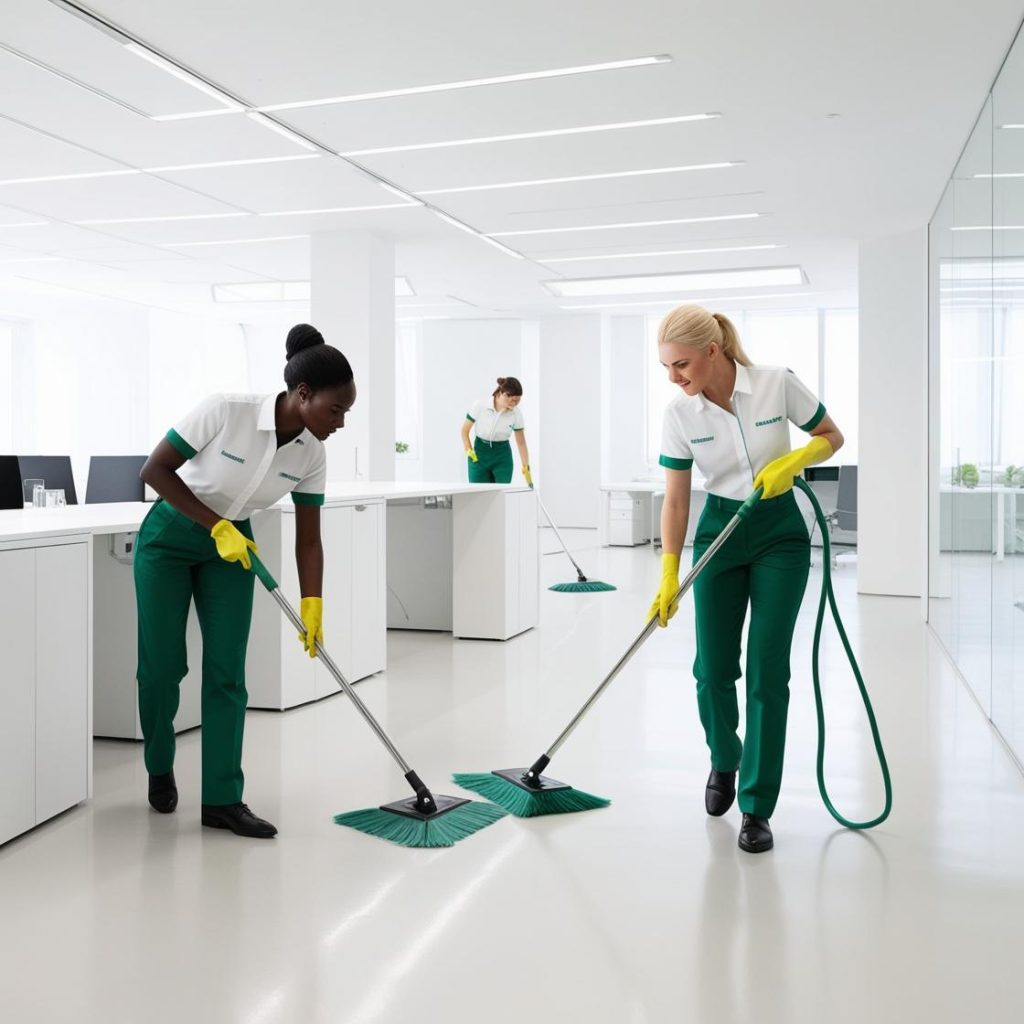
(472, 83)
(724, 301)
(550, 133)
(580, 177)
(477, 234)
(659, 252)
(627, 224)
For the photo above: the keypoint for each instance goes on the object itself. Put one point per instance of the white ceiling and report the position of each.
(77, 101)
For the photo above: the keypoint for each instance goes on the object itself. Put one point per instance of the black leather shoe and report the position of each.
(163, 793)
(755, 834)
(720, 792)
(239, 819)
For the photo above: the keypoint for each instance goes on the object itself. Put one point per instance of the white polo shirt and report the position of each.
(730, 450)
(234, 464)
(491, 425)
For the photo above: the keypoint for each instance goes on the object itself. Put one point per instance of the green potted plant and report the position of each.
(1007, 480)
(401, 447)
(969, 475)
(1017, 480)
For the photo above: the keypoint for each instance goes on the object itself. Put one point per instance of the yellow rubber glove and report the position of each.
(528, 478)
(312, 611)
(472, 455)
(232, 544)
(664, 606)
(777, 477)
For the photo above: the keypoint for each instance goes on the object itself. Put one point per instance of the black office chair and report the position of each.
(54, 470)
(115, 478)
(844, 515)
(12, 494)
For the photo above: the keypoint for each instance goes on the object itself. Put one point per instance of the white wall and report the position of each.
(462, 360)
(624, 350)
(569, 457)
(892, 477)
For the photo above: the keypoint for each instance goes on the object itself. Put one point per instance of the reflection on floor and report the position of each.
(643, 913)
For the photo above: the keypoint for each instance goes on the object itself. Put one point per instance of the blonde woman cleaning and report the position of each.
(494, 421)
(732, 420)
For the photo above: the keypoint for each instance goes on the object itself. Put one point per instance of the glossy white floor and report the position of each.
(642, 913)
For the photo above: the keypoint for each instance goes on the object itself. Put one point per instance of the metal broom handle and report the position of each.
(743, 512)
(296, 620)
(551, 523)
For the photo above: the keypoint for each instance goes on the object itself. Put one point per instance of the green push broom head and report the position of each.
(404, 823)
(581, 586)
(542, 795)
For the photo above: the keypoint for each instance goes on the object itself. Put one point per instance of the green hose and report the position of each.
(827, 594)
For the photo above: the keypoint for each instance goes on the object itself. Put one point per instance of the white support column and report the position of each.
(352, 303)
(892, 477)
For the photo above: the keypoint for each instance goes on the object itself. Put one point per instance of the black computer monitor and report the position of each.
(115, 478)
(54, 470)
(12, 494)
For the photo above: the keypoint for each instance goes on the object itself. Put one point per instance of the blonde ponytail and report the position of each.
(693, 325)
(731, 340)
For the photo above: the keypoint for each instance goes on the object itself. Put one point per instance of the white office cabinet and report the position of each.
(18, 693)
(116, 701)
(63, 737)
(629, 519)
(369, 600)
(279, 674)
(496, 575)
(45, 700)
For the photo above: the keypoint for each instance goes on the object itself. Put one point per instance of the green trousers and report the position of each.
(764, 564)
(494, 465)
(176, 562)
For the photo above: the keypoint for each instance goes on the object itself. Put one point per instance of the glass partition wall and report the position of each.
(976, 389)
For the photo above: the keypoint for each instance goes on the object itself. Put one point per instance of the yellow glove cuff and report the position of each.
(669, 564)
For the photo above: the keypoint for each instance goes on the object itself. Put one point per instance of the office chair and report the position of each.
(844, 515)
(55, 470)
(115, 478)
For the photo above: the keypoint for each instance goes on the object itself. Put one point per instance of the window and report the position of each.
(6, 386)
(840, 391)
(407, 390)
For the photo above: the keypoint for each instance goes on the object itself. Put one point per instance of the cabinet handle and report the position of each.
(360, 508)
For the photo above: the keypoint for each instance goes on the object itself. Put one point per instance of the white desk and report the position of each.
(1006, 502)
(68, 619)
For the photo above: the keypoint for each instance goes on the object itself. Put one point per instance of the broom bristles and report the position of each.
(444, 830)
(526, 803)
(576, 587)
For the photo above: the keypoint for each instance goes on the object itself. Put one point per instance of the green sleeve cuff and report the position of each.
(818, 416)
(669, 463)
(514, 429)
(301, 498)
(183, 447)
(470, 418)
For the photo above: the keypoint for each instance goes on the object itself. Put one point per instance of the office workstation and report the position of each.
(529, 486)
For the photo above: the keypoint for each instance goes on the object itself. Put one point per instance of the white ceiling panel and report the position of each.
(183, 272)
(50, 36)
(560, 156)
(399, 221)
(25, 153)
(122, 252)
(135, 195)
(336, 48)
(34, 97)
(285, 260)
(552, 104)
(299, 185)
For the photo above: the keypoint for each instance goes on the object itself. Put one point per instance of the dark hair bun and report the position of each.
(501, 381)
(302, 336)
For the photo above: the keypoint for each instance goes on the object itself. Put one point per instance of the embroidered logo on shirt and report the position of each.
(767, 423)
(233, 458)
(288, 476)
(702, 440)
